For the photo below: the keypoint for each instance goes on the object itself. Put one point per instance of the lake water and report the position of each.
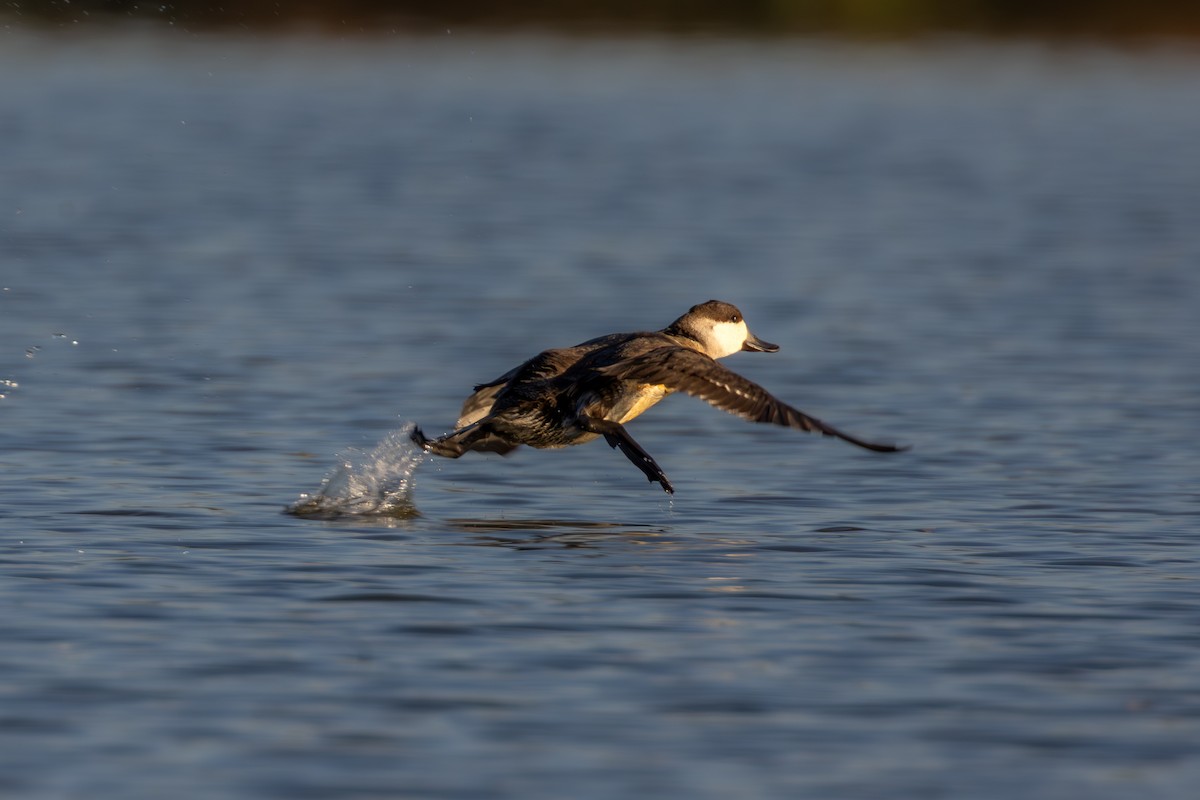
(227, 265)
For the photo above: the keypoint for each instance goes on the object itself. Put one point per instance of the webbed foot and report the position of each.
(617, 437)
(419, 438)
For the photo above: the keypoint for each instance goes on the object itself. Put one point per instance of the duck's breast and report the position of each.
(634, 403)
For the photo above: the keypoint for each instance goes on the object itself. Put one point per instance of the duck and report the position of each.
(573, 395)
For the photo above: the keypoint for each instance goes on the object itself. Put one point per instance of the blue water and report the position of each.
(229, 267)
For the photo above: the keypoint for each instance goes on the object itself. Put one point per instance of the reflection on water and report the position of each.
(540, 533)
(471, 525)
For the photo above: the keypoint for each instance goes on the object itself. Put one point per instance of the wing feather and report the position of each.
(696, 374)
(545, 365)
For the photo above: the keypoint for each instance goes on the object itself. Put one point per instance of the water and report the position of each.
(228, 266)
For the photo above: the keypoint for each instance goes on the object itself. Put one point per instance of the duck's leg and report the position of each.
(615, 434)
(441, 446)
(453, 444)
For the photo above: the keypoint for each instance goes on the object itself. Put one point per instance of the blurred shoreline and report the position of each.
(1098, 19)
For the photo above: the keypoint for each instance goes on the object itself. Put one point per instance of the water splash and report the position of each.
(376, 483)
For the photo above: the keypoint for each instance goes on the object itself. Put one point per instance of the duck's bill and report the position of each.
(757, 345)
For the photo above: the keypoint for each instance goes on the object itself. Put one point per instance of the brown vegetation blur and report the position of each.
(850, 17)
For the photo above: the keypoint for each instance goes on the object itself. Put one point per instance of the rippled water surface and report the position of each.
(228, 266)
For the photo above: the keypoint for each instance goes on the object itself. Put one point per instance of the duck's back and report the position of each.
(618, 347)
(531, 379)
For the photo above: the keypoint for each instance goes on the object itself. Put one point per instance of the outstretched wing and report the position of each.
(696, 374)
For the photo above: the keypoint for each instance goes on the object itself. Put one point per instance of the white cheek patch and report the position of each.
(729, 337)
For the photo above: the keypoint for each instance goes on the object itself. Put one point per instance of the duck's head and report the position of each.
(719, 329)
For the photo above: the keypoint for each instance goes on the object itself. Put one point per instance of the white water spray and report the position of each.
(372, 483)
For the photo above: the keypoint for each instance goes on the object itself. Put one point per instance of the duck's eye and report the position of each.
(735, 318)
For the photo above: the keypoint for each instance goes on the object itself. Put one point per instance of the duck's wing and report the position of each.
(694, 373)
(479, 404)
(544, 366)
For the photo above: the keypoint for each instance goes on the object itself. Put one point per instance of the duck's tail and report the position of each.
(477, 436)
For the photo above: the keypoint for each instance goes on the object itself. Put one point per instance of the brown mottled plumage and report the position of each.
(576, 394)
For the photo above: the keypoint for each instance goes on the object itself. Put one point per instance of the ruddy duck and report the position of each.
(576, 394)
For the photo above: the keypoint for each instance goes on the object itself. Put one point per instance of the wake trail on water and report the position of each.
(372, 483)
